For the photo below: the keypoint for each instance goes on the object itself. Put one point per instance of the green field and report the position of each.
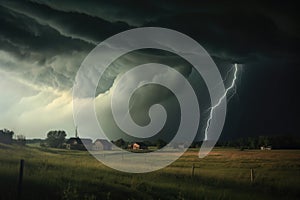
(224, 174)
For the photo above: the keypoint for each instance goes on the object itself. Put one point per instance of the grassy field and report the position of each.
(224, 174)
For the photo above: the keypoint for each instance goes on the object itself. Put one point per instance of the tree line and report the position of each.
(125, 144)
(6, 137)
(276, 142)
(56, 139)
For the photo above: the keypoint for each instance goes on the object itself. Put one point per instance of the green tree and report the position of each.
(55, 138)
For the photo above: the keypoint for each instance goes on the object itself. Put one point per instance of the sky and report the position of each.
(43, 43)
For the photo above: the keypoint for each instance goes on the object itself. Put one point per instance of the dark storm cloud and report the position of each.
(140, 57)
(30, 42)
(36, 33)
(49, 39)
(23, 36)
(243, 35)
(69, 23)
(230, 30)
(135, 13)
(28, 36)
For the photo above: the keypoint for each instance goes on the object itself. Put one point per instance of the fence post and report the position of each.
(193, 169)
(20, 179)
(251, 175)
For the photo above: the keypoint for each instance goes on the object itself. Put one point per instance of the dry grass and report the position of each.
(223, 174)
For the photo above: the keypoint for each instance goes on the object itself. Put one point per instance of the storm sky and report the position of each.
(43, 43)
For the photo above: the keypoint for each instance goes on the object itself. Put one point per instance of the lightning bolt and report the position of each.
(220, 100)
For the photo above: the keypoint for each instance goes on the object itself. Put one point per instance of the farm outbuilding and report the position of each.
(139, 145)
(101, 144)
(76, 143)
(6, 136)
(266, 148)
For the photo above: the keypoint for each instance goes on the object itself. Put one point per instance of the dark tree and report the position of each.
(120, 143)
(160, 143)
(6, 136)
(264, 141)
(253, 143)
(56, 139)
(21, 139)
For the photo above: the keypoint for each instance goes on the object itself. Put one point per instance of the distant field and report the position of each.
(224, 174)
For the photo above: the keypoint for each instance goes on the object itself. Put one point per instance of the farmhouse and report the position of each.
(101, 144)
(266, 148)
(6, 136)
(139, 145)
(76, 143)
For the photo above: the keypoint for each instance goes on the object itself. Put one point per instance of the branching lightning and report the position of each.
(220, 100)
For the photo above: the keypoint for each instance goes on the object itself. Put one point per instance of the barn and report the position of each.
(76, 143)
(139, 145)
(6, 136)
(266, 148)
(101, 144)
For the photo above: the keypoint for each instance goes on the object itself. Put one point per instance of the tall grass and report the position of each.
(224, 174)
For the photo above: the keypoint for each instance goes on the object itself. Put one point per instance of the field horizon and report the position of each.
(224, 174)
